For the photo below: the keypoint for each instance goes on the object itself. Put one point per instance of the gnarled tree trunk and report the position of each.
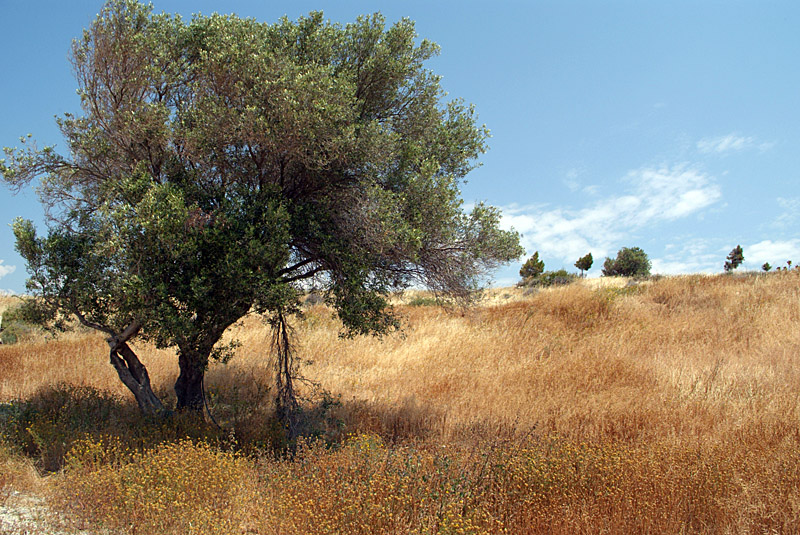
(133, 373)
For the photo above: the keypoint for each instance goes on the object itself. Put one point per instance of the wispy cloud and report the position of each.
(790, 212)
(653, 196)
(6, 270)
(572, 181)
(688, 255)
(728, 143)
(731, 143)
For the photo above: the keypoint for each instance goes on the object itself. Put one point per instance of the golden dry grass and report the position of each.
(691, 357)
(666, 407)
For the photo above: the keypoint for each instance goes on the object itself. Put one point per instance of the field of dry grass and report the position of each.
(670, 406)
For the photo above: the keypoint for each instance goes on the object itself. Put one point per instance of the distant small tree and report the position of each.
(630, 262)
(584, 263)
(766, 266)
(532, 268)
(735, 258)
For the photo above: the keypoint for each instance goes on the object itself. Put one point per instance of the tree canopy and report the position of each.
(734, 259)
(630, 262)
(221, 166)
(584, 263)
(533, 267)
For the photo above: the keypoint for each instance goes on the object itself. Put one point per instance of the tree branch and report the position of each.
(306, 275)
(298, 265)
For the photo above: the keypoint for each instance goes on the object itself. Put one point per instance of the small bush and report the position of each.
(15, 326)
(550, 278)
(45, 426)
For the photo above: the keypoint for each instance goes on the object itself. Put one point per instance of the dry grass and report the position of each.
(17, 473)
(666, 407)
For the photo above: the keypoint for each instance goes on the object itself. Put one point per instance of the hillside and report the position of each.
(660, 407)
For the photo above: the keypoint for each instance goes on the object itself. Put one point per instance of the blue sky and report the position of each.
(671, 126)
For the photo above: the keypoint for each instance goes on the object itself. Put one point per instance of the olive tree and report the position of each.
(220, 166)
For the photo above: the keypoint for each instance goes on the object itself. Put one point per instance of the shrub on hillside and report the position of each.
(630, 262)
(14, 325)
(423, 301)
(550, 278)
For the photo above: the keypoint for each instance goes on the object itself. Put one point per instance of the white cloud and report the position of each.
(774, 252)
(700, 256)
(656, 195)
(687, 255)
(676, 267)
(6, 270)
(504, 282)
(669, 194)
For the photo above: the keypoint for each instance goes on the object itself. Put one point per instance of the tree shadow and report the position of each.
(46, 426)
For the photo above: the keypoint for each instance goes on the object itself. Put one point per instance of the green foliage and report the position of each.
(16, 324)
(422, 301)
(551, 278)
(533, 267)
(9, 336)
(584, 263)
(735, 257)
(766, 267)
(630, 262)
(221, 165)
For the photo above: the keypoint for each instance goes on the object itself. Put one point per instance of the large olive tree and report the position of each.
(221, 165)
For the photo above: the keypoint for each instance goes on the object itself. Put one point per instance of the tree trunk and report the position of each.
(189, 386)
(133, 373)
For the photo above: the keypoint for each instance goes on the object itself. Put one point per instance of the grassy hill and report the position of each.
(667, 406)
